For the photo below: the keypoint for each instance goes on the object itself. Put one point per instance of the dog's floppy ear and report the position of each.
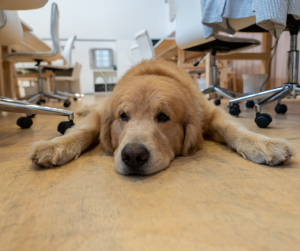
(192, 134)
(105, 130)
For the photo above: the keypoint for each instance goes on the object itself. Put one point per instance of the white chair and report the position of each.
(69, 79)
(14, 35)
(135, 54)
(190, 37)
(38, 57)
(67, 56)
(145, 45)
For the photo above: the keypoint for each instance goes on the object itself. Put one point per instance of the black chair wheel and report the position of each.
(64, 125)
(217, 102)
(43, 100)
(75, 99)
(263, 120)
(281, 108)
(234, 110)
(67, 103)
(24, 122)
(250, 104)
(38, 102)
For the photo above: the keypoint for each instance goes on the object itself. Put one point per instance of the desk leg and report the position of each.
(223, 75)
(266, 47)
(8, 75)
(50, 74)
(2, 90)
(208, 73)
(181, 57)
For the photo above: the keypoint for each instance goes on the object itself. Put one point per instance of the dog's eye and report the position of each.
(124, 117)
(162, 118)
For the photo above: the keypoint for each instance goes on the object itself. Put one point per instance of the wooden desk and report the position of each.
(167, 49)
(8, 77)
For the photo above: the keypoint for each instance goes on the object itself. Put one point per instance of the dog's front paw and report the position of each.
(53, 153)
(264, 150)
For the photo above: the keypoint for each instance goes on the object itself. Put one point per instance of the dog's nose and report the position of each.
(134, 156)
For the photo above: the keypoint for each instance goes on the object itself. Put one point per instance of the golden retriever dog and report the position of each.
(156, 112)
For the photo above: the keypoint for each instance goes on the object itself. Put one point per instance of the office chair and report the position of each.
(135, 54)
(145, 45)
(15, 34)
(38, 57)
(67, 56)
(68, 79)
(190, 37)
(290, 89)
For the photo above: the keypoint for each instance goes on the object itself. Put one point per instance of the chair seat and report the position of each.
(55, 67)
(19, 57)
(65, 79)
(225, 44)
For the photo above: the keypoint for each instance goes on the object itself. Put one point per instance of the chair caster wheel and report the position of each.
(64, 125)
(38, 102)
(234, 110)
(263, 120)
(75, 99)
(67, 103)
(217, 102)
(24, 122)
(281, 108)
(250, 104)
(43, 100)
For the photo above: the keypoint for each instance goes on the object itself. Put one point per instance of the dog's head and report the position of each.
(147, 122)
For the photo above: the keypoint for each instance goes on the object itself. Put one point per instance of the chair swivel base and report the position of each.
(75, 96)
(42, 97)
(221, 92)
(263, 120)
(17, 106)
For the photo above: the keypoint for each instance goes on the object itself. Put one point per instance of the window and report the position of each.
(101, 59)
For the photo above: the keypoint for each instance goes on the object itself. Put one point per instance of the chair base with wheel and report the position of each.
(13, 105)
(56, 92)
(221, 92)
(291, 89)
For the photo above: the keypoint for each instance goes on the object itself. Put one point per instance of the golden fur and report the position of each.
(143, 92)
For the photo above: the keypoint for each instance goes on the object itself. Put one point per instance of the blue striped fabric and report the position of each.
(270, 14)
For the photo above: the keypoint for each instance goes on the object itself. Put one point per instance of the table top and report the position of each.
(30, 42)
(167, 48)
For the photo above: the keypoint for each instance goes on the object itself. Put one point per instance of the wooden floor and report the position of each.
(214, 200)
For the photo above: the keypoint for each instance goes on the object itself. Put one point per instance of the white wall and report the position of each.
(102, 19)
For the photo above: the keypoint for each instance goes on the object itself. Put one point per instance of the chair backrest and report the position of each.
(135, 54)
(56, 49)
(145, 45)
(76, 71)
(67, 53)
(189, 27)
(11, 31)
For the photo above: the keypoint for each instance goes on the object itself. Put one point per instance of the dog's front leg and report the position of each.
(63, 149)
(255, 147)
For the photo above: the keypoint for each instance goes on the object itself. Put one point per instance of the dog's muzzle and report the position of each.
(134, 157)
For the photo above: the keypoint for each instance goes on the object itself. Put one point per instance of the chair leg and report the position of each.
(208, 90)
(222, 92)
(39, 95)
(276, 96)
(55, 96)
(34, 109)
(255, 96)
